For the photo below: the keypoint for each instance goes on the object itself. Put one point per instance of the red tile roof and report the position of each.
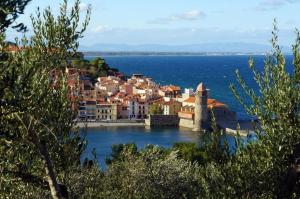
(172, 88)
(210, 102)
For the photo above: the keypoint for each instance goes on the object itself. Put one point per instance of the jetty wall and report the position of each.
(162, 120)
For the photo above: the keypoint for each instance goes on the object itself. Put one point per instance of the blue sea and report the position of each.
(216, 72)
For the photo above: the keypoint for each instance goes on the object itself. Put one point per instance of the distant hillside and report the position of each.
(236, 48)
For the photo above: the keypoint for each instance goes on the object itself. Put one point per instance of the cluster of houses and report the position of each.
(116, 97)
(119, 97)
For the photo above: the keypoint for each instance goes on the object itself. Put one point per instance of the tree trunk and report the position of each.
(41, 146)
(51, 177)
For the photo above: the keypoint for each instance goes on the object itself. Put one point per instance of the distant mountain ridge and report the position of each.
(247, 48)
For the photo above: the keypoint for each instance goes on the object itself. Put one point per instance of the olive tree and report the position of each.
(38, 142)
(276, 106)
(151, 173)
(9, 12)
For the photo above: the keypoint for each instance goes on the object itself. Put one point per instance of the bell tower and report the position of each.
(200, 120)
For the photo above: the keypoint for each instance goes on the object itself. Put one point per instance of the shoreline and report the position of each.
(228, 131)
(109, 124)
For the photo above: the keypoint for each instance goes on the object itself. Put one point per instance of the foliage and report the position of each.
(96, 67)
(276, 107)
(191, 152)
(155, 109)
(9, 12)
(38, 144)
(118, 150)
(151, 173)
(214, 144)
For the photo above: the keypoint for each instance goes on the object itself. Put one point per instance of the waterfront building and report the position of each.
(112, 98)
(90, 107)
(122, 111)
(91, 110)
(137, 107)
(82, 111)
(171, 107)
(106, 111)
(168, 105)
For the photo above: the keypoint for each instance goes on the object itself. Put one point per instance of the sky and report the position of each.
(181, 22)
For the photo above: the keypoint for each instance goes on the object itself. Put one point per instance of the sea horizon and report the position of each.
(161, 53)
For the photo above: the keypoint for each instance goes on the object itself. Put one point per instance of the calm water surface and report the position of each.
(103, 138)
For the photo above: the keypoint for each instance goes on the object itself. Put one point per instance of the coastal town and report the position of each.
(110, 98)
(139, 99)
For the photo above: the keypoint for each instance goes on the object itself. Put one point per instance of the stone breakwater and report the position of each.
(162, 120)
(110, 124)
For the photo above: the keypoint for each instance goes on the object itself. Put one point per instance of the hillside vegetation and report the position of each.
(96, 67)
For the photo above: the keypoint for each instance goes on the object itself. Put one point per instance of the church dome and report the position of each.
(201, 87)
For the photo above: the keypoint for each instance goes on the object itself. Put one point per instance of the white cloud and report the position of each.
(190, 15)
(101, 29)
(83, 7)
